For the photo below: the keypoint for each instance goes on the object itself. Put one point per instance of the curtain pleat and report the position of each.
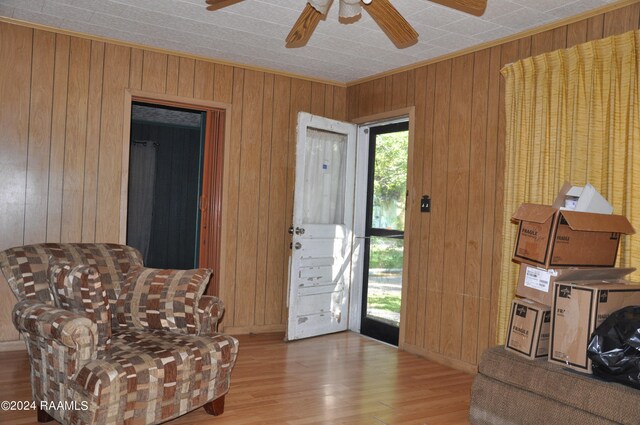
(323, 197)
(142, 175)
(572, 115)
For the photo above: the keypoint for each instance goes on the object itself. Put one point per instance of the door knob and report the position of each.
(299, 231)
(290, 230)
(298, 245)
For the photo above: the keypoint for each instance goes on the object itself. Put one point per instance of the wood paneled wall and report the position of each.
(61, 125)
(457, 157)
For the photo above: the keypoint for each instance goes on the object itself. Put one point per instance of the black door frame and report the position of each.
(371, 327)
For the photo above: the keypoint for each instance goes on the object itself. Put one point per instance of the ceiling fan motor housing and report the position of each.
(347, 8)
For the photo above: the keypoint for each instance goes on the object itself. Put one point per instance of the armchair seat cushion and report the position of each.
(156, 374)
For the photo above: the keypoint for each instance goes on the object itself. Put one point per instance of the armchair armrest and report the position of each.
(70, 335)
(210, 310)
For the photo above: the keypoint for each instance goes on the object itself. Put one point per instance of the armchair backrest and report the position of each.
(25, 267)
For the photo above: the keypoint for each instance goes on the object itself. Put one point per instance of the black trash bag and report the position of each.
(614, 347)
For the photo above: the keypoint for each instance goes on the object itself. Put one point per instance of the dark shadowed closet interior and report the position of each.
(165, 169)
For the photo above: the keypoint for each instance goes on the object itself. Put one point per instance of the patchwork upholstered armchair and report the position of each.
(113, 342)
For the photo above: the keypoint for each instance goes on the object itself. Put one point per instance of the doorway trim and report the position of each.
(355, 308)
(214, 206)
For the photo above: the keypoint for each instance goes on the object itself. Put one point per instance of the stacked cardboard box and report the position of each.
(581, 302)
(571, 244)
(529, 327)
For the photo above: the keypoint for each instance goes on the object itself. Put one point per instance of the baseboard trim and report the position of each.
(17, 345)
(256, 329)
(439, 358)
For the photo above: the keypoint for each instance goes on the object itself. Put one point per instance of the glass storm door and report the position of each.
(384, 232)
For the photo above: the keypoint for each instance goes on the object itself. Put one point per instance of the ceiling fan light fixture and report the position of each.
(321, 6)
(350, 8)
(366, 1)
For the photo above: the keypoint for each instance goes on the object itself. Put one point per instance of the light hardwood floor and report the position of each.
(337, 379)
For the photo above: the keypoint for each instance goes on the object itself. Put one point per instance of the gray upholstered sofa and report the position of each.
(510, 389)
(113, 342)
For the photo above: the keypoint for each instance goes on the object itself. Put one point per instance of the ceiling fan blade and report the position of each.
(304, 27)
(474, 7)
(219, 4)
(392, 23)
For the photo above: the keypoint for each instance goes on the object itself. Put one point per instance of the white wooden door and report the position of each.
(320, 264)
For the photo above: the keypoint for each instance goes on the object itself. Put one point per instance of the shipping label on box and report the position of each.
(529, 328)
(577, 310)
(539, 279)
(536, 283)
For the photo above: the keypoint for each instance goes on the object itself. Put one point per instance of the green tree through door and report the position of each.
(390, 188)
(384, 234)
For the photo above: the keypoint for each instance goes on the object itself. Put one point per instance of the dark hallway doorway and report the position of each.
(166, 166)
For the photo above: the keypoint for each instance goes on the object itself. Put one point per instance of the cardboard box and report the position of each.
(550, 237)
(583, 199)
(529, 327)
(579, 307)
(536, 283)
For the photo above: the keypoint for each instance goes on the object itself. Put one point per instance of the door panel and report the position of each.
(319, 275)
(326, 247)
(384, 231)
(321, 232)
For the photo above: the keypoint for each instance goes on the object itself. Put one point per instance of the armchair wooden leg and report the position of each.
(43, 416)
(215, 407)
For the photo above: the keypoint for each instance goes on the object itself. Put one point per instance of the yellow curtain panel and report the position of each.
(572, 115)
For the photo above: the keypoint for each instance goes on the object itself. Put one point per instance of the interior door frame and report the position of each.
(210, 243)
(359, 213)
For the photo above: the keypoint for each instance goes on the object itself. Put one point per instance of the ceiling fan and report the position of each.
(386, 16)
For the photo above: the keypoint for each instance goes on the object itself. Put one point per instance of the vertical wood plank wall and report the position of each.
(457, 157)
(61, 124)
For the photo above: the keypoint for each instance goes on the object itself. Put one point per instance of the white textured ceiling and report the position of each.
(252, 32)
